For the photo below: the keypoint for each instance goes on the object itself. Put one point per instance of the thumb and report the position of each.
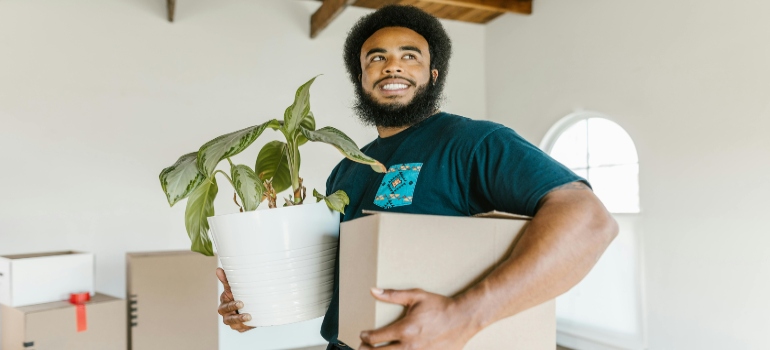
(402, 297)
(223, 278)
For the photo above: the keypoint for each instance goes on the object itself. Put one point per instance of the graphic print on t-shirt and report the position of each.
(397, 187)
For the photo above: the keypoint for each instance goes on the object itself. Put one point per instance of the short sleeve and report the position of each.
(510, 174)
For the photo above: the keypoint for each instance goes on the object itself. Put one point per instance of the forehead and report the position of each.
(394, 37)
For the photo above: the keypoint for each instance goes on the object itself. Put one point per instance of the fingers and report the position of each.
(236, 319)
(233, 319)
(400, 330)
(396, 346)
(230, 307)
(236, 322)
(389, 334)
(402, 297)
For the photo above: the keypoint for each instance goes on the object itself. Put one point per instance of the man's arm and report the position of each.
(566, 237)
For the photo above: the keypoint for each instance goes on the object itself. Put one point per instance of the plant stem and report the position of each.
(294, 165)
(226, 176)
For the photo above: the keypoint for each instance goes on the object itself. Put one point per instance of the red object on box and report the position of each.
(79, 300)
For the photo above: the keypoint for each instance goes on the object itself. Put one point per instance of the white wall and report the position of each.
(96, 97)
(690, 82)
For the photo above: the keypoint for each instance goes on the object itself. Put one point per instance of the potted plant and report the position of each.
(278, 261)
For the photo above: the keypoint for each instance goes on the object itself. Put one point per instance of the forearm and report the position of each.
(559, 247)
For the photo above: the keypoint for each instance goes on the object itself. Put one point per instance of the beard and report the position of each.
(426, 101)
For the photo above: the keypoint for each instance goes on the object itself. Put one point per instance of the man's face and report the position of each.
(397, 85)
(395, 63)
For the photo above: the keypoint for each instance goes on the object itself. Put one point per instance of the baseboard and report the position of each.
(584, 338)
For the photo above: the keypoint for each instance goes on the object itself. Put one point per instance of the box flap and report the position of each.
(491, 214)
(96, 299)
(502, 215)
(40, 255)
(161, 253)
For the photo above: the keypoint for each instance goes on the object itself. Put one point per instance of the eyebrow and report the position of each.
(376, 50)
(403, 48)
(411, 48)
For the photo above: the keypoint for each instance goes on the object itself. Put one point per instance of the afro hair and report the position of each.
(439, 44)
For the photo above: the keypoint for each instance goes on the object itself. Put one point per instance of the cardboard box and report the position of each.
(173, 301)
(29, 279)
(53, 326)
(440, 254)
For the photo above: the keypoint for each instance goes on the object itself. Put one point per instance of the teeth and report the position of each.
(394, 86)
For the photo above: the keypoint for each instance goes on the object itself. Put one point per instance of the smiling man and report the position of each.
(444, 164)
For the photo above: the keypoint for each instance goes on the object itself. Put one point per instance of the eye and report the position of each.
(377, 58)
(409, 56)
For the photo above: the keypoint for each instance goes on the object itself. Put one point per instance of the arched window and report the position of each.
(599, 150)
(606, 307)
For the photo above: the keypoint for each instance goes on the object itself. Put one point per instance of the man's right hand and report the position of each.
(228, 306)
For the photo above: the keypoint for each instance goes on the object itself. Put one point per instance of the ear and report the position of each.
(359, 78)
(434, 75)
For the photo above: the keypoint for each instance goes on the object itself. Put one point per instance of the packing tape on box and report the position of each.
(80, 300)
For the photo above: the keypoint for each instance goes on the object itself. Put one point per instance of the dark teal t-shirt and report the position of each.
(445, 165)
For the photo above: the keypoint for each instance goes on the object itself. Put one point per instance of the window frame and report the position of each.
(578, 335)
(553, 134)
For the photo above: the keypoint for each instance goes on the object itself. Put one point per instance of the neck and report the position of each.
(385, 132)
(388, 132)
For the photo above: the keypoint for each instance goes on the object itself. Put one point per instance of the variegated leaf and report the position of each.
(273, 164)
(181, 178)
(307, 123)
(200, 206)
(344, 144)
(247, 185)
(337, 201)
(228, 145)
(296, 113)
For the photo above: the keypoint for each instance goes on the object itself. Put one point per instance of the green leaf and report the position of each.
(344, 144)
(200, 206)
(298, 111)
(307, 123)
(337, 201)
(273, 164)
(319, 197)
(248, 186)
(228, 145)
(181, 178)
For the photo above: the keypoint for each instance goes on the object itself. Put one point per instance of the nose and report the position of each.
(392, 67)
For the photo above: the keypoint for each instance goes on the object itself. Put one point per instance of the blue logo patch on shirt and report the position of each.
(397, 187)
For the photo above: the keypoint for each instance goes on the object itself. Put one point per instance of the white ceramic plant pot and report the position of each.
(280, 262)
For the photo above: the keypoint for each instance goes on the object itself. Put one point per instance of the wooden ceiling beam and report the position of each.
(325, 14)
(515, 6)
(170, 7)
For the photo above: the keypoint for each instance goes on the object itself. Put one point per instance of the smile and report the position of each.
(391, 87)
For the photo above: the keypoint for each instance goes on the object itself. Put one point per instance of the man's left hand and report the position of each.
(431, 321)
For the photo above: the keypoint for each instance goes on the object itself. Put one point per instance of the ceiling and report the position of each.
(473, 11)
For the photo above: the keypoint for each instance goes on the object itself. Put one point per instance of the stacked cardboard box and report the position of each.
(28, 279)
(54, 326)
(36, 313)
(444, 255)
(173, 301)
